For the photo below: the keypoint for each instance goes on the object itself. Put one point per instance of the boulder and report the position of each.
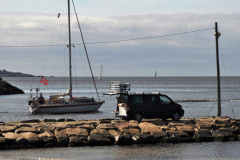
(144, 139)
(119, 138)
(160, 135)
(123, 139)
(126, 125)
(48, 139)
(235, 122)
(105, 120)
(131, 131)
(32, 138)
(5, 129)
(205, 125)
(165, 128)
(80, 132)
(106, 126)
(62, 138)
(187, 128)
(77, 141)
(10, 137)
(223, 135)
(26, 129)
(87, 126)
(114, 132)
(203, 135)
(149, 128)
(99, 132)
(177, 137)
(99, 140)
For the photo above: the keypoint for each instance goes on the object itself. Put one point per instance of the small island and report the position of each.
(6, 88)
(5, 73)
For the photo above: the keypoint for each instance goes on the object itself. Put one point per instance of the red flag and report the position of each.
(58, 15)
(44, 81)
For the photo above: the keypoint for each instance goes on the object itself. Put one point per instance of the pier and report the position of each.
(68, 132)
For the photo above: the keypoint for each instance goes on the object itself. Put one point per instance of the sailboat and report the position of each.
(101, 72)
(64, 102)
(155, 74)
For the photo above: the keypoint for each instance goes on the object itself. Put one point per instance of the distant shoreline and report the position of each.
(5, 73)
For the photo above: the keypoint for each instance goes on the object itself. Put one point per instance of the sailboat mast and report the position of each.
(70, 57)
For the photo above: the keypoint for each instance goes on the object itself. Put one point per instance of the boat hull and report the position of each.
(65, 108)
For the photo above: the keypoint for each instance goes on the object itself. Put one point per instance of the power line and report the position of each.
(115, 41)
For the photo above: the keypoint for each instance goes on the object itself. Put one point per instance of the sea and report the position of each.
(197, 95)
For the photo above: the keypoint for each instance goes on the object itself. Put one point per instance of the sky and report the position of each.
(151, 30)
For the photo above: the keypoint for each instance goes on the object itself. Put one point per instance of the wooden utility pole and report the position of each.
(217, 35)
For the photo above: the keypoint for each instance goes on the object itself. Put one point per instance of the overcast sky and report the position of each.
(34, 22)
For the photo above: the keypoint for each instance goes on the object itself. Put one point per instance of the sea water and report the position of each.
(197, 95)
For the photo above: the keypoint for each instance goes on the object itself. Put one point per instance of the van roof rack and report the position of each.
(154, 93)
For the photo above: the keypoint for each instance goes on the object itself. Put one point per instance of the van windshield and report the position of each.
(123, 99)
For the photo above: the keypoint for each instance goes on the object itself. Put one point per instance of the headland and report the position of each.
(6, 88)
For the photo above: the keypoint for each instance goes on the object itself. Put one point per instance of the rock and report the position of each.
(223, 135)
(203, 135)
(26, 129)
(126, 125)
(123, 139)
(31, 138)
(119, 138)
(174, 124)
(99, 131)
(87, 126)
(106, 126)
(178, 137)
(80, 132)
(188, 129)
(48, 139)
(61, 138)
(10, 137)
(165, 128)
(149, 128)
(41, 128)
(205, 125)
(99, 140)
(179, 134)
(114, 132)
(131, 131)
(6, 88)
(77, 141)
(3, 144)
(160, 135)
(144, 139)
(105, 120)
(5, 129)
(235, 123)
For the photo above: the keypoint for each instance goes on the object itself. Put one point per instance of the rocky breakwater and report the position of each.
(6, 88)
(67, 132)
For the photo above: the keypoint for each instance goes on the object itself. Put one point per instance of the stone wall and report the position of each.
(67, 132)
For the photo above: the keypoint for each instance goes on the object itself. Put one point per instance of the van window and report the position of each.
(164, 100)
(123, 99)
(151, 100)
(136, 99)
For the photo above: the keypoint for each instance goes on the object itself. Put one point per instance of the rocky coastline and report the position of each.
(67, 132)
(6, 88)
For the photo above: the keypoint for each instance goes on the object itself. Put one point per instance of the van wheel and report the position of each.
(175, 116)
(138, 116)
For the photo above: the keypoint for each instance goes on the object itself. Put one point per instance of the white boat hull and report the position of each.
(65, 108)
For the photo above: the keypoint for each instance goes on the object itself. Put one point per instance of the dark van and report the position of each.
(147, 105)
